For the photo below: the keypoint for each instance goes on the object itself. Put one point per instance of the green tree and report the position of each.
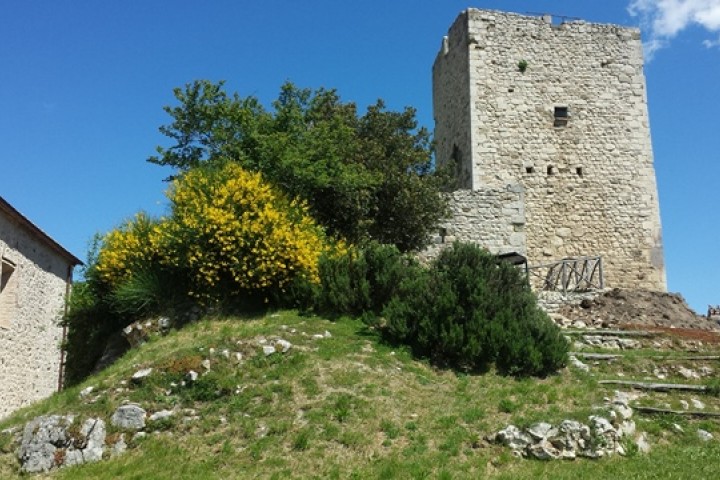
(364, 176)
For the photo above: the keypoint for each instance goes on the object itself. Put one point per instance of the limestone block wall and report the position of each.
(451, 104)
(589, 181)
(494, 218)
(30, 334)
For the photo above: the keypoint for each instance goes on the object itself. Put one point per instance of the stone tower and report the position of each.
(546, 125)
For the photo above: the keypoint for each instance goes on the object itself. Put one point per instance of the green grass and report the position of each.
(349, 406)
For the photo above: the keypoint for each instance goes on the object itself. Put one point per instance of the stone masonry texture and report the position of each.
(570, 132)
(30, 340)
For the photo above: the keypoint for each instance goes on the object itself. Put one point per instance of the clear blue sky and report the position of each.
(84, 83)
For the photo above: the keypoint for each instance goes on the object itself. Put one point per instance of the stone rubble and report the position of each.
(571, 439)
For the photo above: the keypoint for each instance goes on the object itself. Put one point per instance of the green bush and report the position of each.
(362, 281)
(469, 310)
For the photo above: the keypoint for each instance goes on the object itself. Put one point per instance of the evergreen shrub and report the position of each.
(468, 310)
(362, 281)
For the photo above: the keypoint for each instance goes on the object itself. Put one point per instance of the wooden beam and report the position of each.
(690, 413)
(657, 387)
(610, 333)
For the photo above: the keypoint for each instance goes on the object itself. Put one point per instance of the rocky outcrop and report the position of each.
(54, 441)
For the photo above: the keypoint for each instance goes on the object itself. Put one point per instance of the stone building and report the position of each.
(546, 125)
(35, 279)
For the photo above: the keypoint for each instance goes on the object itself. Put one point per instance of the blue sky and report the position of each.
(84, 83)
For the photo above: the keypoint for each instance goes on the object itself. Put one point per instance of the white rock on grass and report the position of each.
(86, 391)
(120, 446)
(141, 375)
(268, 349)
(704, 435)
(578, 364)
(129, 417)
(283, 345)
(642, 443)
(161, 415)
(697, 404)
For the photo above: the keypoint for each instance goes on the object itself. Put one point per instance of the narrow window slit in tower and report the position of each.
(579, 171)
(550, 170)
(561, 116)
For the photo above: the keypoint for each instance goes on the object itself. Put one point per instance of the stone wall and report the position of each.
(494, 218)
(451, 104)
(30, 334)
(589, 182)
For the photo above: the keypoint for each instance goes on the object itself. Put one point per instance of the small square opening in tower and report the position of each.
(529, 169)
(561, 116)
(551, 170)
(579, 171)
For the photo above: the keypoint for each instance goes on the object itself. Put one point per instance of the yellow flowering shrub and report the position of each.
(232, 231)
(129, 248)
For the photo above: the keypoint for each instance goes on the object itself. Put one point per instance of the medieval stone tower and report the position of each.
(546, 125)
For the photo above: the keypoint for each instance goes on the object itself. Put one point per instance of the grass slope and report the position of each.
(345, 406)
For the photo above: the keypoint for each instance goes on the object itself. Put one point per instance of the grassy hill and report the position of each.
(344, 405)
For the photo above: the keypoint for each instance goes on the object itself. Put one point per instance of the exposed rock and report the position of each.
(628, 343)
(86, 391)
(135, 333)
(161, 415)
(513, 437)
(642, 443)
(282, 345)
(90, 446)
(541, 431)
(706, 371)
(688, 373)
(48, 443)
(684, 404)
(42, 437)
(139, 376)
(704, 435)
(163, 323)
(268, 349)
(578, 364)
(697, 404)
(206, 364)
(129, 417)
(120, 446)
(192, 376)
(568, 440)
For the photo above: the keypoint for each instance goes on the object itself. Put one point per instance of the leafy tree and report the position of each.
(364, 176)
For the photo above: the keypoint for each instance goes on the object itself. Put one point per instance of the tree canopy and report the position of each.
(365, 177)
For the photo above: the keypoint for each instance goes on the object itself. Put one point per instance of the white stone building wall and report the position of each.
(30, 334)
(496, 216)
(590, 184)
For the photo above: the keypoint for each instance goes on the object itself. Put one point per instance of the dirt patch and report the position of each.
(621, 308)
